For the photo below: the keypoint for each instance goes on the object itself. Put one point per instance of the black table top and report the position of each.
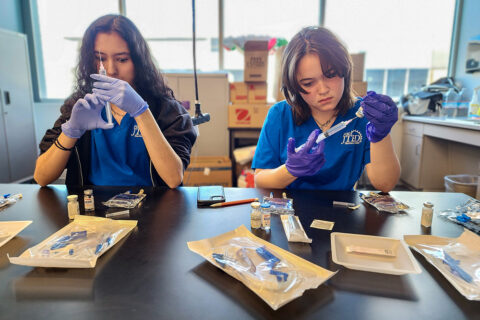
(151, 274)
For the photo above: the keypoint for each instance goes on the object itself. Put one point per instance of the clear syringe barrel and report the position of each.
(328, 133)
(108, 109)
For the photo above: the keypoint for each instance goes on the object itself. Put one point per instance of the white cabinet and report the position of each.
(213, 91)
(411, 160)
(18, 149)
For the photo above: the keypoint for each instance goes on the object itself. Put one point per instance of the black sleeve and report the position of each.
(177, 127)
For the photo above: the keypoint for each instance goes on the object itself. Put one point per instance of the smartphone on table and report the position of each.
(208, 195)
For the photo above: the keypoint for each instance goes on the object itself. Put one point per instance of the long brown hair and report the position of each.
(335, 61)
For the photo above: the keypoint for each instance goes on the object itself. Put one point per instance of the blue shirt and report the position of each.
(346, 152)
(119, 156)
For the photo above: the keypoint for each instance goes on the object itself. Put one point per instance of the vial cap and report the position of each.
(88, 191)
(255, 205)
(428, 204)
(72, 197)
(265, 205)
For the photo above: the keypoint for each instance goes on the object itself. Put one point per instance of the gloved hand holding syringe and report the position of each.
(334, 129)
(108, 109)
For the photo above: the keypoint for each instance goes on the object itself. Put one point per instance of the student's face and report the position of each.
(115, 56)
(323, 94)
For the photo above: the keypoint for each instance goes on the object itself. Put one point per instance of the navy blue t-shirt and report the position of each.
(346, 152)
(119, 156)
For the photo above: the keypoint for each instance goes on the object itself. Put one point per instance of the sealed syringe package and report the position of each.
(275, 275)
(384, 202)
(279, 205)
(77, 245)
(125, 200)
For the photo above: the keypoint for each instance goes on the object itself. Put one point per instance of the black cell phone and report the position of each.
(208, 195)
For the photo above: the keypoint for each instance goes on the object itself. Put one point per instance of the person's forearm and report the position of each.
(50, 165)
(167, 163)
(277, 178)
(384, 168)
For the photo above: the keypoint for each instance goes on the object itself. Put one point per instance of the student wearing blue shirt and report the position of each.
(150, 140)
(316, 77)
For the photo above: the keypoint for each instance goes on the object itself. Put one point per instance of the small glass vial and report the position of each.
(255, 216)
(265, 208)
(427, 214)
(73, 207)
(88, 200)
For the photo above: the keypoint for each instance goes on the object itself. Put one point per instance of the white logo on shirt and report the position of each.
(352, 137)
(136, 132)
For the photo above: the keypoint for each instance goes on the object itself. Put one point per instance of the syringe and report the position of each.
(108, 109)
(340, 126)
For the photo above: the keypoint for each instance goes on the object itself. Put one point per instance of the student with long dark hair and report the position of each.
(152, 135)
(316, 82)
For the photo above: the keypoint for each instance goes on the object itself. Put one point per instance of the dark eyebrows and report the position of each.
(115, 55)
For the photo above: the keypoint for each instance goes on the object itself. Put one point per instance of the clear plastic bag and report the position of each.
(275, 275)
(294, 229)
(279, 205)
(467, 214)
(458, 259)
(8, 199)
(384, 202)
(77, 245)
(125, 200)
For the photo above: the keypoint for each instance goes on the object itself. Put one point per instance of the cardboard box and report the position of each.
(360, 88)
(256, 61)
(358, 60)
(207, 171)
(238, 92)
(247, 115)
(257, 92)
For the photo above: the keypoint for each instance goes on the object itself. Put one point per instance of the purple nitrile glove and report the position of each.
(120, 93)
(381, 112)
(308, 160)
(86, 115)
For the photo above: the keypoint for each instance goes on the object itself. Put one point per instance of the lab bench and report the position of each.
(434, 147)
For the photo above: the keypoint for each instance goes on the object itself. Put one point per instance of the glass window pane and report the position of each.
(62, 24)
(167, 27)
(396, 82)
(395, 34)
(417, 78)
(375, 79)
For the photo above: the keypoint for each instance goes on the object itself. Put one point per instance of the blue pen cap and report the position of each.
(265, 205)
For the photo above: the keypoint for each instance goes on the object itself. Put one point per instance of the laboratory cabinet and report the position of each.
(18, 149)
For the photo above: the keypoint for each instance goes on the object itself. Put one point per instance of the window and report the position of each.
(401, 36)
(62, 24)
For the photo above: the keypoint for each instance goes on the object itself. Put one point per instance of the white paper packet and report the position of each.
(457, 259)
(274, 274)
(9, 229)
(77, 245)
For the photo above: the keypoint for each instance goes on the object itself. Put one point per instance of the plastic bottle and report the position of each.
(88, 200)
(73, 207)
(427, 214)
(462, 109)
(450, 103)
(266, 216)
(474, 106)
(255, 216)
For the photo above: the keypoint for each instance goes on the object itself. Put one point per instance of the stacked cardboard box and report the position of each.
(358, 85)
(249, 98)
(206, 171)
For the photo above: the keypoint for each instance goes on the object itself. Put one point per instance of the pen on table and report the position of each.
(232, 203)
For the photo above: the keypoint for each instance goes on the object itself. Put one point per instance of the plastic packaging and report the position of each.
(125, 200)
(450, 103)
(88, 200)
(384, 203)
(279, 205)
(275, 275)
(474, 106)
(294, 229)
(77, 245)
(73, 206)
(9, 199)
(467, 214)
(255, 216)
(9, 229)
(457, 259)
(427, 214)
